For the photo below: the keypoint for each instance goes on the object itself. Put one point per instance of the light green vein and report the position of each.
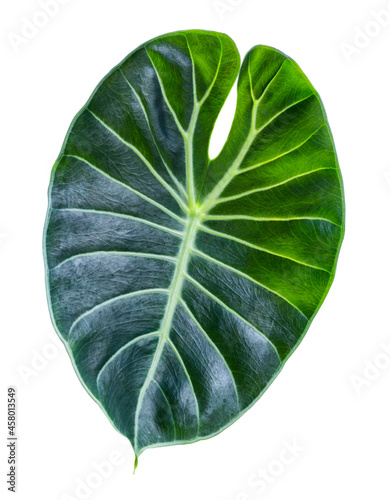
(210, 88)
(261, 249)
(188, 135)
(295, 148)
(236, 271)
(111, 301)
(248, 217)
(174, 294)
(138, 193)
(173, 177)
(267, 188)
(194, 89)
(180, 359)
(178, 124)
(268, 84)
(190, 159)
(169, 406)
(189, 138)
(191, 315)
(231, 172)
(122, 216)
(119, 351)
(276, 115)
(114, 252)
(172, 192)
(232, 311)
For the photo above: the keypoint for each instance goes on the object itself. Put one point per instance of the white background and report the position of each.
(343, 433)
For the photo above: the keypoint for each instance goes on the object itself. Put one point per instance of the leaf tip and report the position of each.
(135, 463)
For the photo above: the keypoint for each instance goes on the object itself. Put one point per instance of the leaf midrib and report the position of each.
(174, 296)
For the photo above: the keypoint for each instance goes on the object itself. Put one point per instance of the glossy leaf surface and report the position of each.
(181, 285)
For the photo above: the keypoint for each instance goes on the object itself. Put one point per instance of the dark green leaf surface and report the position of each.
(181, 285)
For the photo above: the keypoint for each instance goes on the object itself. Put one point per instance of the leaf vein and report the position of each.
(191, 315)
(123, 216)
(119, 351)
(248, 217)
(295, 148)
(178, 124)
(114, 252)
(268, 188)
(138, 193)
(144, 160)
(173, 177)
(232, 311)
(115, 299)
(180, 359)
(226, 266)
(169, 406)
(261, 249)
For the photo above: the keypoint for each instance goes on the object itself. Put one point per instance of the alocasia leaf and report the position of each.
(179, 284)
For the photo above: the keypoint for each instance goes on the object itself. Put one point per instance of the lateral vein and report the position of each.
(173, 177)
(236, 271)
(122, 216)
(119, 351)
(138, 193)
(202, 330)
(114, 252)
(232, 311)
(171, 191)
(261, 249)
(114, 299)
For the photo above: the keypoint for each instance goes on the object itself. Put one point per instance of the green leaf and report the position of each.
(180, 285)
